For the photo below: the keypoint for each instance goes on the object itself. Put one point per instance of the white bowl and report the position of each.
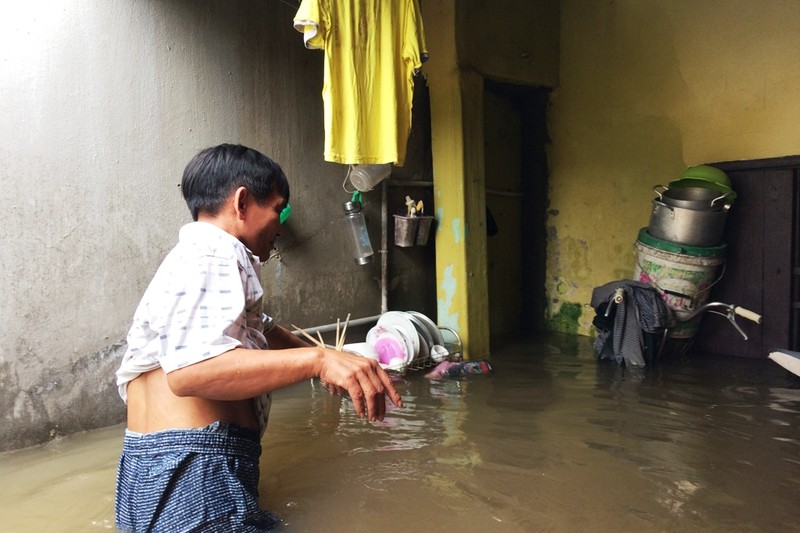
(364, 349)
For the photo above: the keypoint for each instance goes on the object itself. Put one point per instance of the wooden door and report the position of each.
(762, 260)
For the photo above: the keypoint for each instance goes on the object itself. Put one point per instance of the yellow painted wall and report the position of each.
(647, 88)
(510, 40)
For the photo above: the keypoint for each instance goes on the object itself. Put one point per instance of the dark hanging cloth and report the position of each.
(630, 332)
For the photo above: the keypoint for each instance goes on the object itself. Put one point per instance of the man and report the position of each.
(202, 359)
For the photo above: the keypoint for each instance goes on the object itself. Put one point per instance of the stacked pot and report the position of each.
(692, 210)
(682, 251)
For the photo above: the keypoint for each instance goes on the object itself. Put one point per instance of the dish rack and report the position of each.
(422, 363)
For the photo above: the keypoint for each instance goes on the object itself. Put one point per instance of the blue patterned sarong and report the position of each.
(194, 480)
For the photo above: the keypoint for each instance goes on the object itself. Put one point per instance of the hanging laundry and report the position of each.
(372, 49)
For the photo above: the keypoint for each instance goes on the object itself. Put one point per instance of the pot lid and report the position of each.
(707, 173)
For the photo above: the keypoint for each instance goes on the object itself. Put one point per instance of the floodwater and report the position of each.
(552, 441)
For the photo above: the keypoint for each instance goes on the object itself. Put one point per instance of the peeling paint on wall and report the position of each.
(457, 230)
(448, 288)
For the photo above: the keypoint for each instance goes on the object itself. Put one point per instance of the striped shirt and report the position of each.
(204, 300)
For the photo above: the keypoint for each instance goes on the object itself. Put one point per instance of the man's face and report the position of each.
(262, 225)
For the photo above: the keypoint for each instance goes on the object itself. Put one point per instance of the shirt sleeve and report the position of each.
(207, 313)
(309, 20)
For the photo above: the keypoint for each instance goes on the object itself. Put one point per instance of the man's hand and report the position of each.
(364, 380)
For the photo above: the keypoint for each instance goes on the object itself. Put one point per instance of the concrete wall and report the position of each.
(102, 103)
(647, 88)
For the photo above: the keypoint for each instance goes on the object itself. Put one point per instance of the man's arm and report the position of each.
(241, 374)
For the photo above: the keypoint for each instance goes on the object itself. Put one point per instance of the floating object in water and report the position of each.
(458, 369)
(440, 369)
(470, 367)
(787, 359)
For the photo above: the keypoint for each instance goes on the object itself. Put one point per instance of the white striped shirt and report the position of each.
(204, 300)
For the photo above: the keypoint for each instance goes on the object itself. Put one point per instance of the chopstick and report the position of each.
(340, 340)
(319, 342)
(309, 337)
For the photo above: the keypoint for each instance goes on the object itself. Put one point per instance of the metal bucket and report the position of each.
(405, 230)
(424, 230)
(692, 227)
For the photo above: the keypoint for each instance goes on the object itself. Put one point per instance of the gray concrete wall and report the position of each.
(102, 103)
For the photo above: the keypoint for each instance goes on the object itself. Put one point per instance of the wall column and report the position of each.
(459, 189)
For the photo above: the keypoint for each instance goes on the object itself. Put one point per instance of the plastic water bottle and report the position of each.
(356, 227)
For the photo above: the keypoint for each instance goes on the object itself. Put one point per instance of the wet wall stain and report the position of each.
(71, 397)
(567, 319)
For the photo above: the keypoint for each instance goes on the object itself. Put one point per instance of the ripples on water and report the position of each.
(552, 441)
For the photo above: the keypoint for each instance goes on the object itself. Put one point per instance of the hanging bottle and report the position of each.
(356, 227)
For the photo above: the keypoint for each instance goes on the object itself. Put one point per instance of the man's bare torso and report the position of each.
(152, 406)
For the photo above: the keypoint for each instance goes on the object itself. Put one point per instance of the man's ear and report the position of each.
(241, 196)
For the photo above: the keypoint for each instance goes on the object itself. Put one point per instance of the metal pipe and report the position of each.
(384, 251)
(327, 328)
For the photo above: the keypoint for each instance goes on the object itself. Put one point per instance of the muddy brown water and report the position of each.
(552, 441)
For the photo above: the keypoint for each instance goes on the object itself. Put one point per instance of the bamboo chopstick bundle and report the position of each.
(340, 337)
(340, 340)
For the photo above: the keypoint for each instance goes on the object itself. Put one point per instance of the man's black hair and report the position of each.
(214, 173)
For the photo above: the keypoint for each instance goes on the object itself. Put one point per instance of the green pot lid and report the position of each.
(707, 173)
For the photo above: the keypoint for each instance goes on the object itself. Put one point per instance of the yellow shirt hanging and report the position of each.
(372, 50)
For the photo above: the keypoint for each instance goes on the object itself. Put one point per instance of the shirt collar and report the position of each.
(206, 232)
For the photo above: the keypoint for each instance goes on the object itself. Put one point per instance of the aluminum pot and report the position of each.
(690, 227)
(694, 197)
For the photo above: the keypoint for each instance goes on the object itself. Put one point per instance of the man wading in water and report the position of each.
(202, 359)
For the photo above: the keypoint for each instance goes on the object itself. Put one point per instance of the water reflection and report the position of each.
(552, 441)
